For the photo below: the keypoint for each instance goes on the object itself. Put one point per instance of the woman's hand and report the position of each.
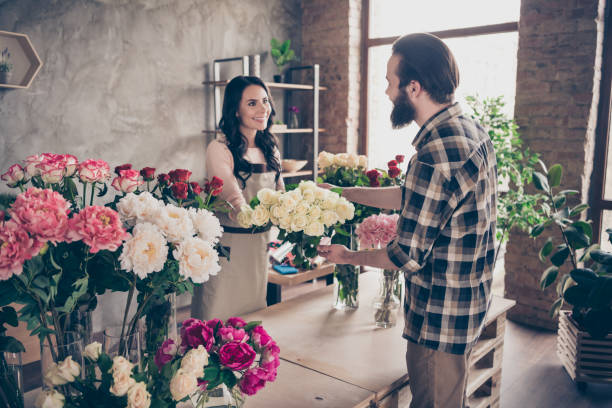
(335, 253)
(326, 186)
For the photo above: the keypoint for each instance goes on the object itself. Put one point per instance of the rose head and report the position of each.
(392, 163)
(148, 173)
(165, 353)
(236, 356)
(195, 187)
(126, 166)
(394, 172)
(71, 163)
(98, 227)
(179, 175)
(180, 190)
(251, 381)
(30, 163)
(236, 322)
(214, 186)
(14, 175)
(260, 337)
(52, 168)
(196, 333)
(128, 181)
(163, 179)
(93, 171)
(214, 323)
(228, 334)
(399, 158)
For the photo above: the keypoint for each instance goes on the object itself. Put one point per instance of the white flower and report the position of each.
(92, 351)
(325, 160)
(352, 161)
(206, 224)
(63, 373)
(363, 161)
(135, 208)
(121, 364)
(307, 185)
(308, 196)
(329, 203)
(285, 223)
(138, 396)
(315, 229)
(49, 399)
(197, 259)
(261, 215)
(175, 222)
(301, 208)
(314, 213)
(329, 218)
(288, 202)
(320, 194)
(145, 252)
(299, 222)
(278, 212)
(344, 209)
(267, 196)
(245, 216)
(195, 360)
(183, 383)
(122, 381)
(341, 160)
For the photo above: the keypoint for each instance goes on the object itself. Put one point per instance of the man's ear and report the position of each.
(414, 89)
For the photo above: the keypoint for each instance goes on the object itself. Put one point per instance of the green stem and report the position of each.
(501, 241)
(93, 191)
(571, 250)
(127, 306)
(84, 193)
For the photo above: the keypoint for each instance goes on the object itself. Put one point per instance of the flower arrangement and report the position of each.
(303, 215)
(5, 65)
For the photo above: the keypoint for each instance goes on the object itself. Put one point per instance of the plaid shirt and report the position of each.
(445, 243)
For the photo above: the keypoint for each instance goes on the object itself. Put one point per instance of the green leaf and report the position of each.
(548, 276)
(576, 295)
(554, 309)
(601, 256)
(577, 239)
(559, 257)
(543, 166)
(569, 192)
(546, 249)
(554, 175)
(584, 276)
(578, 209)
(337, 190)
(559, 201)
(585, 227)
(251, 325)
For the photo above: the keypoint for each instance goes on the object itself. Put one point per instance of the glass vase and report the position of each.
(55, 349)
(346, 278)
(387, 303)
(219, 397)
(11, 380)
(293, 122)
(160, 322)
(118, 341)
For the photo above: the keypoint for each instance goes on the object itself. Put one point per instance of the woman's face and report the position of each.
(254, 109)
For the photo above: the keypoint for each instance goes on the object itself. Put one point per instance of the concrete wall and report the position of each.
(121, 79)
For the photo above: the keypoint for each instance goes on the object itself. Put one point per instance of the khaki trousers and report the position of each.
(437, 379)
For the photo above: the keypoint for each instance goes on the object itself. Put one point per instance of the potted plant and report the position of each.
(5, 66)
(282, 54)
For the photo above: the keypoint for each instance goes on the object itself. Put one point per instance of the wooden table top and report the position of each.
(300, 277)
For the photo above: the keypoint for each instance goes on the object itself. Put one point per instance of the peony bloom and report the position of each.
(377, 230)
(352, 161)
(92, 351)
(197, 259)
(165, 353)
(93, 171)
(315, 229)
(236, 356)
(195, 332)
(98, 227)
(43, 213)
(260, 337)
(128, 181)
(49, 398)
(195, 360)
(228, 334)
(14, 175)
(179, 175)
(175, 222)
(141, 207)
(180, 190)
(236, 322)
(270, 360)
(16, 247)
(251, 381)
(138, 396)
(214, 323)
(206, 224)
(183, 384)
(148, 173)
(145, 252)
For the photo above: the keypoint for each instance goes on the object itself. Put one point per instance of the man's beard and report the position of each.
(403, 112)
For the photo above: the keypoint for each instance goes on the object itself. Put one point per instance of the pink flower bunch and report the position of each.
(377, 230)
(98, 227)
(16, 247)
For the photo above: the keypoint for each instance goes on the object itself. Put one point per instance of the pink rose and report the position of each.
(43, 213)
(71, 164)
(260, 337)
(251, 381)
(92, 171)
(232, 334)
(30, 164)
(236, 322)
(13, 175)
(16, 248)
(236, 356)
(128, 181)
(195, 332)
(98, 227)
(52, 168)
(165, 353)
(270, 357)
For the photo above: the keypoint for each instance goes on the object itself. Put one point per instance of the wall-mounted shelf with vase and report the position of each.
(26, 62)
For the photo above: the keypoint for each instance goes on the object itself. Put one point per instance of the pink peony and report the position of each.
(377, 230)
(43, 213)
(236, 322)
(13, 175)
(91, 171)
(165, 353)
(236, 356)
(260, 337)
(232, 334)
(52, 167)
(127, 181)
(270, 357)
(72, 163)
(16, 247)
(195, 332)
(214, 323)
(99, 227)
(251, 381)
(30, 164)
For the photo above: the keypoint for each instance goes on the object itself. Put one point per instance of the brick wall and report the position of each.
(331, 37)
(557, 93)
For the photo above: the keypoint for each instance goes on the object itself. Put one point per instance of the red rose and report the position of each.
(399, 158)
(236, 356)
(214, 186)
(126, 166)
(373, 174)
(391, 164)
(163, 179)
(195, 187)
(374, 183)
(394, 172)
(180, 190)
(179, 175)
(147, 173)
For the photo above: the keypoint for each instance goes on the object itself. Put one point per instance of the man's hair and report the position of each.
(426, 59)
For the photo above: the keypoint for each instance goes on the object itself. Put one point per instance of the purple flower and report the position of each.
(165, 353)
(294, 109)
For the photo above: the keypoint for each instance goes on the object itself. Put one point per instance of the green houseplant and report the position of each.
(282, 54)
(5, 66)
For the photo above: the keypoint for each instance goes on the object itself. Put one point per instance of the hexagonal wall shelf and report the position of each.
(24, 58)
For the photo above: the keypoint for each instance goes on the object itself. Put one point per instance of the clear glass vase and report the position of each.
(346, 279)
(55, 349)
(387, 303)
(219, 397)
(11, 380)
(118, 341)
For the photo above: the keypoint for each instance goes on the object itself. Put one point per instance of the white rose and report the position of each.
(330, 202)
(352, 160)
(145, 252)
(49, 399)
(315, 229)
(277, 212)
(341, 160)
(261, 215)
(329, 218)
(325, 160)
(175, 222)
(183, 384)
(299, 222)
(314, 212)
(363, 161)
(195, 360)
(308, 196)
(121, 364)
(307, 185)
(296, 195)
(285, 223)
(122, 381)
(320, 194)
(52, 376)
(245, 216)
(92, 351)
(138, 396)
(301, 208)
(288, 202)
(344, 209)
(197, 259)
(69, 369)
(267, 196)
(206, 224)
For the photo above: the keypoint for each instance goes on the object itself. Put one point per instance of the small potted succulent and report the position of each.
(5, 66)
(282, 54)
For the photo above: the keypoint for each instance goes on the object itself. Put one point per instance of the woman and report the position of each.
(247, 159)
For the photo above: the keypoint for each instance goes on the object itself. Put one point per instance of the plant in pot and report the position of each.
(282, 54)
(5, 66)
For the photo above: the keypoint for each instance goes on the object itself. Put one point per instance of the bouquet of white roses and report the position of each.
(303, 215)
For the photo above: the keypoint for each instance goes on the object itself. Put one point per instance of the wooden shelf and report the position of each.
(297, 173)
(273, 85)
(25, 60)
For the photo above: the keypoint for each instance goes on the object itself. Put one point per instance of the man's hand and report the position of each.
(335, 253)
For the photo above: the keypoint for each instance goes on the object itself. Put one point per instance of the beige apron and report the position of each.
(241, 285)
